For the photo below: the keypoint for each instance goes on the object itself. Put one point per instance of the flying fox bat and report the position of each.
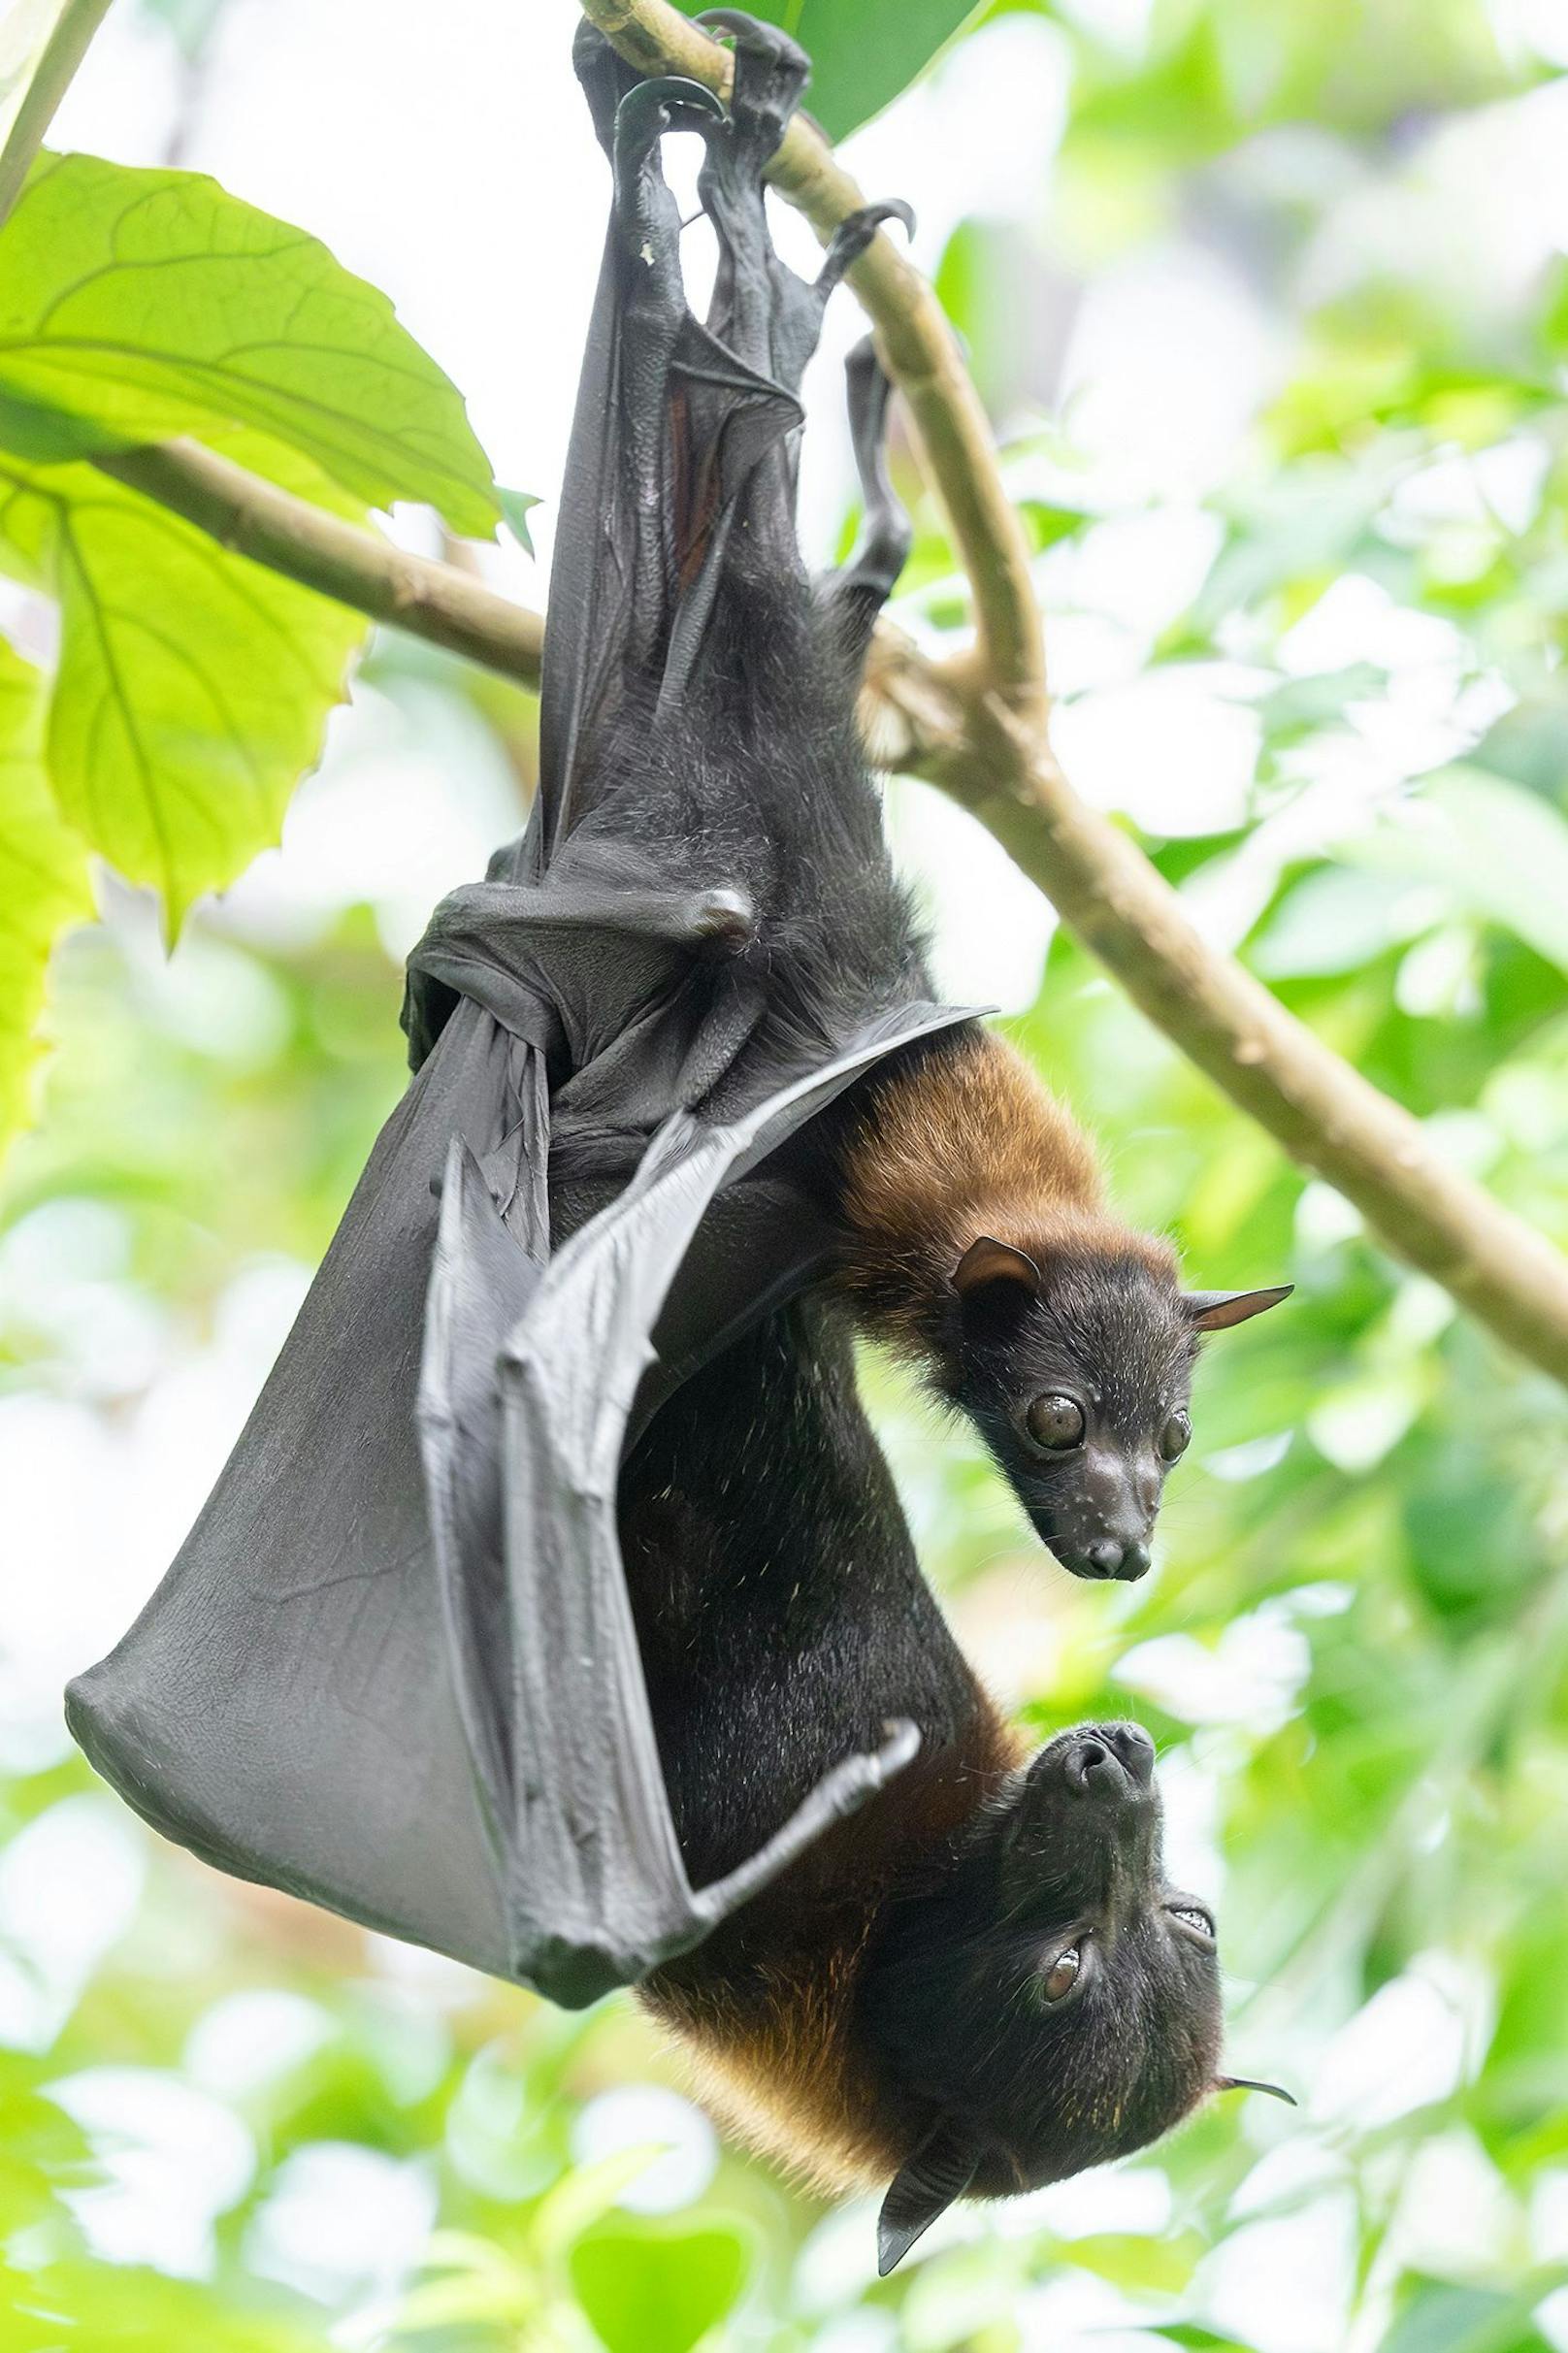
(400, 1666)
(983, 1980)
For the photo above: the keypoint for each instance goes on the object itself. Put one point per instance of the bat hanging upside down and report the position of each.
(970, 1232)
(555, 1607)
(980, 1982)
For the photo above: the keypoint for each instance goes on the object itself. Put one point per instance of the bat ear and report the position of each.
(988, 1262)
(940, 2170)
(1250, 2083)
(1218, 1310)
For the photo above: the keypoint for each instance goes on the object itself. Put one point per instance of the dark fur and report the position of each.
(758, 781)
(878, 2010)
(888, 1986)
(751, 779)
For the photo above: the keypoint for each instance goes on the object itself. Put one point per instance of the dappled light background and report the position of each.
(1270, 302)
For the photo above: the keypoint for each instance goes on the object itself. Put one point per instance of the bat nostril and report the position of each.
(1093, 1767)
(1104, 1557)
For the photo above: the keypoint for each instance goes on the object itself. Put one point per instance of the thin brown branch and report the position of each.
(976, 727)
(358, 567)
(979, 729)
(1325, 1113)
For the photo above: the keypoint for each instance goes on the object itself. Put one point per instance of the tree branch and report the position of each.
(1309, 1098)
(977, 728)
(358, 567)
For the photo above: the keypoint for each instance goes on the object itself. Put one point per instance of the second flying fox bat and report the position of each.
(983, 1980)
(396, 1666)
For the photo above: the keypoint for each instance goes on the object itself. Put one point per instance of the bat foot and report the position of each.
(770, 71)
(766, 41)
(855, 233)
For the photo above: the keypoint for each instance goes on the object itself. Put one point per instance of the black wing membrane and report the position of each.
(393, 1669)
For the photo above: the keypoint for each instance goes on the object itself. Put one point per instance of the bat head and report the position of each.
(1052, 2002)
(1076, 1365)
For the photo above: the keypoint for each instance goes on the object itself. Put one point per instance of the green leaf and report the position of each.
(863, 51)
(43, 881)
(516, 505)
(139, 304)
(656, 2290)
(193, 687)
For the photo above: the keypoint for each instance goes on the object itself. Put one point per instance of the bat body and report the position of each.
(970, 1228)
(554, 1607)
(979, 1982)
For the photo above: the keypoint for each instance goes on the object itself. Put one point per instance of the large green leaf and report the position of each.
(43, 879)
(863, 51)
(193, 687)
(139, 304)
(656, 2290)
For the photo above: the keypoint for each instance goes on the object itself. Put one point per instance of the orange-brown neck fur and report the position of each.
(965, 1143)
(765, 2019)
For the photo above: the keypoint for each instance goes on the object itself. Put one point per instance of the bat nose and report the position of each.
(1109, 1760)
(1135, 1749)
(1093, 1767)
(1109, 1557)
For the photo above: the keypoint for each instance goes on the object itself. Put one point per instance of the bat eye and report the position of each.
(1062, 1974)
(1176, 1437)
(1195, 1920)
(1055, 1422)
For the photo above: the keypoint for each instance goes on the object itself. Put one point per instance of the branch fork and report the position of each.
(978, 727)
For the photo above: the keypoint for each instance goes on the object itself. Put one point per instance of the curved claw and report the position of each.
(766, 39)
(855, 233)
(648, 107)
(891, 208)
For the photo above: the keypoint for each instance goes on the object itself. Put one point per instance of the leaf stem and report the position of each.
(64, 52)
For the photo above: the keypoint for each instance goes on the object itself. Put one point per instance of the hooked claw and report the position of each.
(650, 107)
(855, 233)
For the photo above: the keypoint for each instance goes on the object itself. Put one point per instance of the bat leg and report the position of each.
(854, 596)
(653, 314)
(647, 211)
(752, 287)
(605, 78)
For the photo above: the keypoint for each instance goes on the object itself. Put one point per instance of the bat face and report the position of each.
(1078, 1376)
(1054, 2003)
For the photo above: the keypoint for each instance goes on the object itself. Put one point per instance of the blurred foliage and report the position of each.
(227, 2123)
